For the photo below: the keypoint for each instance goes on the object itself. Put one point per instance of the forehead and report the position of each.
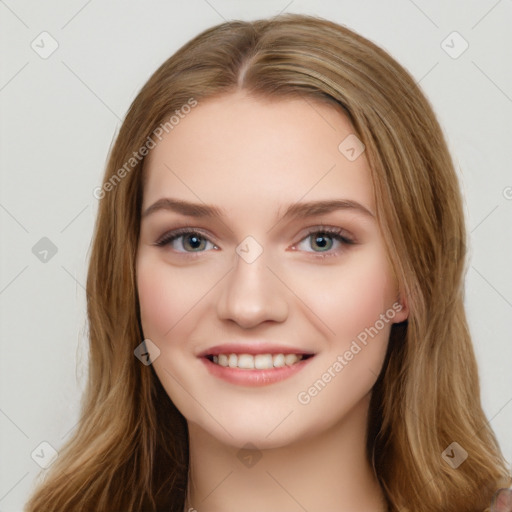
(240, 151)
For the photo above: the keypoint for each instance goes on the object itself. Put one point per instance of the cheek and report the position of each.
(360, 294)
(165, 296)
(157, 301)
(351, 297)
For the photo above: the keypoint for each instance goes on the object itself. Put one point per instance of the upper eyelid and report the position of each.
(179, 232)
(184, 230)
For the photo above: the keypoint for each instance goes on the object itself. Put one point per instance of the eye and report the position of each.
(325, 239)
(190, 241)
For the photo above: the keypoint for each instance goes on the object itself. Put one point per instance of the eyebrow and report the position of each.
(296, 210)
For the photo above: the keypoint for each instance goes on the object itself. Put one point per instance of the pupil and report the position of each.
(195, 240)
(318, 241)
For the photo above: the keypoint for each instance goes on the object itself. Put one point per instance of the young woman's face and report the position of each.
(269, 282)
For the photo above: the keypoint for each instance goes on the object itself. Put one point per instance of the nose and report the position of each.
(252, 294)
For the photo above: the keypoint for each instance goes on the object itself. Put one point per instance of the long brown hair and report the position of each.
(130, 450)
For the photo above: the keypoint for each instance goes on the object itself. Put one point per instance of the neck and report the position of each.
(327, 471)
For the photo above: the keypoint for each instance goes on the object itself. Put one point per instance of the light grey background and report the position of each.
(60, 114)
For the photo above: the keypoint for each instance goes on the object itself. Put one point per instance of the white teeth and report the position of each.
(279, 361)
(290, 359)
(263, 361)
(244, 361)
(258, 362)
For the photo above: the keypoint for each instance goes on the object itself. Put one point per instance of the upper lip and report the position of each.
(252, 348)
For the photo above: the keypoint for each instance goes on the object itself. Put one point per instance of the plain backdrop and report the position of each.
(60, 112)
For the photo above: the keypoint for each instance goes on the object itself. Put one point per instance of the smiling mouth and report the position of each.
(257, 362)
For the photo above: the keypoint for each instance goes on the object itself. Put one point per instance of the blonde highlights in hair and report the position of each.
(130, 450)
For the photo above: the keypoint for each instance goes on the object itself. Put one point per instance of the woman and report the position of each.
(281, 223)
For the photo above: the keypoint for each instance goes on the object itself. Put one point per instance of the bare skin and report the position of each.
(253, 158)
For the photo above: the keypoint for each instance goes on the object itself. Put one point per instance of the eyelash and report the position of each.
(334, 233)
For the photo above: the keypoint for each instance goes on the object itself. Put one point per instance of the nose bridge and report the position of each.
(251, 294)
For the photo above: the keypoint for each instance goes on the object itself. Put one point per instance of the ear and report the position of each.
(401, 308)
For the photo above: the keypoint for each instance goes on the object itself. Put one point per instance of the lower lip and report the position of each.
(253, 377)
